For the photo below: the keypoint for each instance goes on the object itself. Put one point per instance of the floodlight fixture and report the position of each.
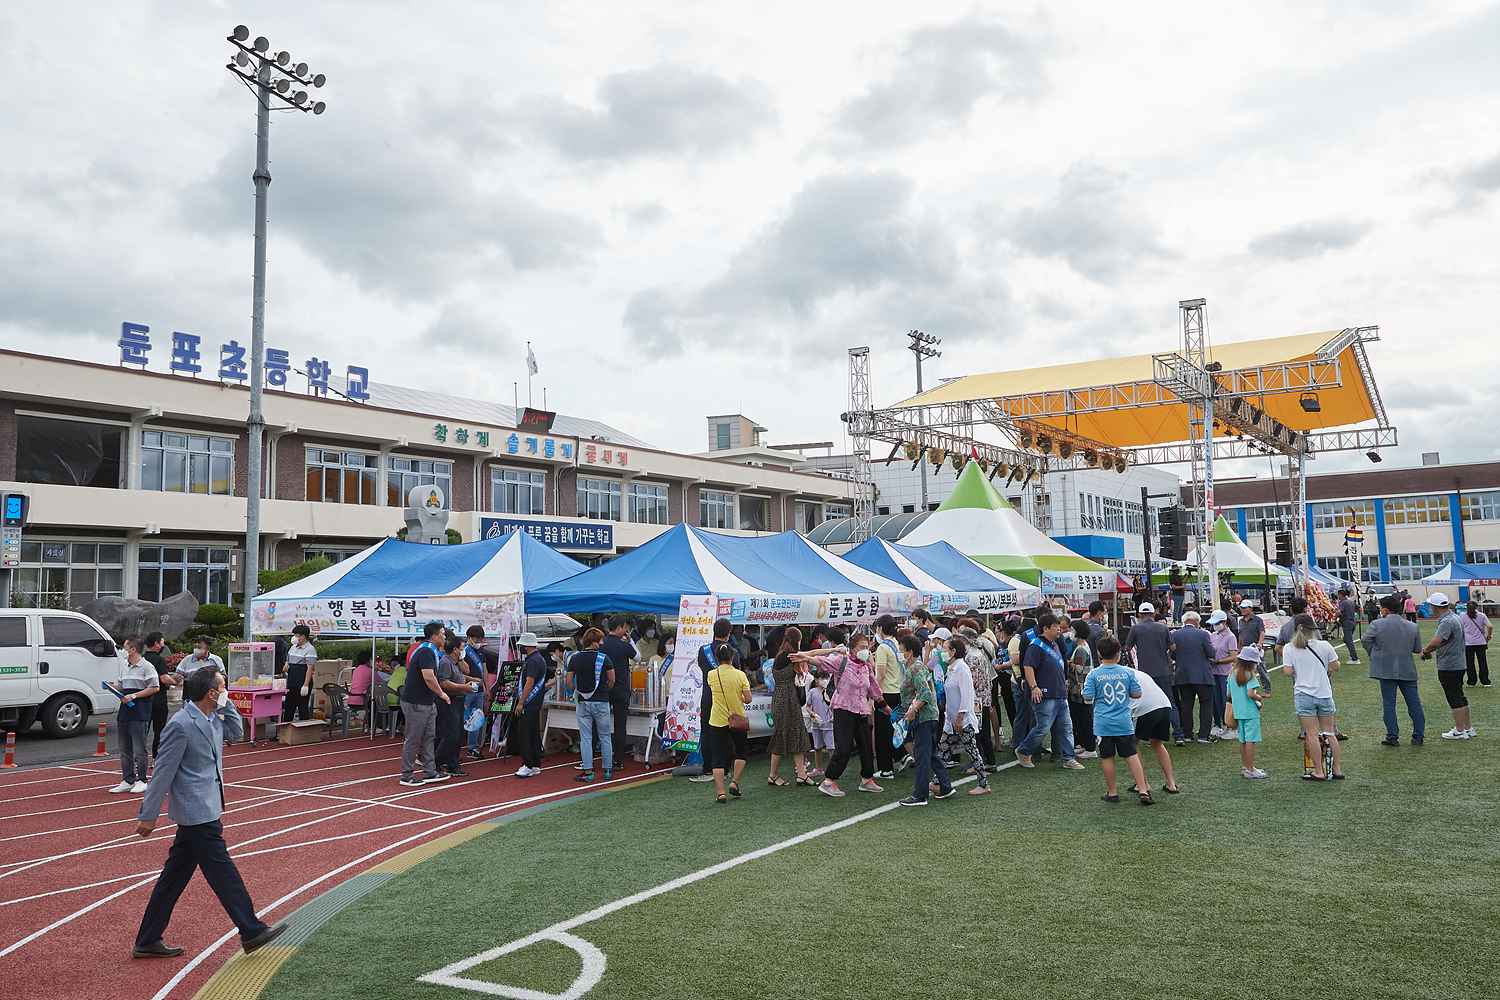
(301, 69)
(1214, 366)
(283, 57)
(282, 86)
(999, 468)
(1310, 403)
(1030, 472)
(262, 43)
(318, 108)
(299, 98)
(1373, 455)
(240, 33)
(319, 80)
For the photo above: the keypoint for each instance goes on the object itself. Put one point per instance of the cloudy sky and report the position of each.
(696, 208)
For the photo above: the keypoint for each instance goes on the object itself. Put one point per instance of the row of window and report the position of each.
(71, 574)
(1102, 513)
(1432, 508)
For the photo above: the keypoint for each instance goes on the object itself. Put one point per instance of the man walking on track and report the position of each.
(190, 768)
(1348, 618)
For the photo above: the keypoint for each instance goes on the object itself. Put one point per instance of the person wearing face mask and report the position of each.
(789, 736)
(299, 667)
(1226, 650)
(854, 698)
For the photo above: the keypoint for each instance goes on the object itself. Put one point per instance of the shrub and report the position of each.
(217, 614)
(270, 579)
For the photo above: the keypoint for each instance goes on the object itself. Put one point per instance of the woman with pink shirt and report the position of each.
(856, 692)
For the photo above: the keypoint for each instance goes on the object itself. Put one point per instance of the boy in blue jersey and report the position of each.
(1110, 688)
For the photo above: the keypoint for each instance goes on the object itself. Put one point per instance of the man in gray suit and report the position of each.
(190, 768)
(1193, 654)
(1151, 641)
(1391, 641)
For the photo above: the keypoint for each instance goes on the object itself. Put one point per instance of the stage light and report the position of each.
(1001, 468)
(1373, 455)
(1030, 471)
(1044, 444)
(1065, 449)
(912, 451)
(1026, 440)
(936, 456)
(1120, 463)
(958, 461)
(1310, 403)
(1090, 457)
(1214, 366)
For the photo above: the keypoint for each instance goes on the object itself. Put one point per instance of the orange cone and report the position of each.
(10, 749)
(99, 750)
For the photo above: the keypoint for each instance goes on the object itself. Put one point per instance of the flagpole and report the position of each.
(529, 356)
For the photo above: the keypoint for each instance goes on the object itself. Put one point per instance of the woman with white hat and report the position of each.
(1448, 643)
(1226, 650)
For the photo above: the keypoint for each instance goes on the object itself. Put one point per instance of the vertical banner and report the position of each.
(695, 629)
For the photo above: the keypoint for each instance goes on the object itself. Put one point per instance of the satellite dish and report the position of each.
(318, 108)
(283, 57)
(240, 59)
(301, 69)
(240, 33)
(262, 43)
(319, 80)
(281, 86)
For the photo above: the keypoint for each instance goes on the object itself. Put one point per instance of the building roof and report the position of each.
(1030, 393)
(891, 527)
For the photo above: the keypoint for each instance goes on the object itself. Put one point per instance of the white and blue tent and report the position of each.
(769, 579)
(396, 588)
(1323, 578)
(950, 580)
(1462, 575)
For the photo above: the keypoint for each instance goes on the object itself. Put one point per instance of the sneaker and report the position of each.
(906, 762)
(457, 772)
(948, 794)
(123, 786)
(579, 766)
(885, 775)
(912, 801)
(1207, 740)
(609, 775)
(138, 788)
(1024, 761)
(1071, 765)
(831, 790)
(1253, 773)
(1416, 741)
(1456, 734)
(869, 786)
(1472, 734)
(584, 776)
(1087, 755)
(476, 755)
(1391, 741)
(1180, 741)
(697, 778)
(1261, 774)
(411, 782)
(434, 778)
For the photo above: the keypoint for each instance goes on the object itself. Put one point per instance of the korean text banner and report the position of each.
(695, 629)
(386, 616)
(765, 609)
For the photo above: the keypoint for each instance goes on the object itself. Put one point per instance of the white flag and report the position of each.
(530, 360)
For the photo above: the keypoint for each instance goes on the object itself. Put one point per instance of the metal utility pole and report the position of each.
(923, 346)
(270, 79)
(859, 403)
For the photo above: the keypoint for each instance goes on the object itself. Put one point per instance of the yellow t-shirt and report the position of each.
(887, 669)
(727, 685)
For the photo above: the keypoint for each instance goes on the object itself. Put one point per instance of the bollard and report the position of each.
(10, 749)
(99, 750)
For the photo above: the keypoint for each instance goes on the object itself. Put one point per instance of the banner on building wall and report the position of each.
(695, 629)
(499, 615)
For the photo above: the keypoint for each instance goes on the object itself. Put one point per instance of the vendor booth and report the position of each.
(980, 523)
(950, 581)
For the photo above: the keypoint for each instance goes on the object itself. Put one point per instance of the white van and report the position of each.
(51, 666)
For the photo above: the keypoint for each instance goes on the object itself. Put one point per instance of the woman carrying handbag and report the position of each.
(728, 725)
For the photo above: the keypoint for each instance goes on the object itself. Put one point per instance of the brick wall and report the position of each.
(675, 493)
(7, 441)
(289, 478)
(568, 488)
(690, 505)
(463, 483)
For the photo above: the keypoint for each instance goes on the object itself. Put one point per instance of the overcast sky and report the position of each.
(696, 208)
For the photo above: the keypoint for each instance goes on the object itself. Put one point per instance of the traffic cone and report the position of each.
(99, 750)
(10, 749)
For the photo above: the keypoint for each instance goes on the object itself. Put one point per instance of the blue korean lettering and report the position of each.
(278, 363)
(549, 447)
(357, 383)
(512, 444)
(318, 371)
(232, 364)
(135, 343)
(185, 353)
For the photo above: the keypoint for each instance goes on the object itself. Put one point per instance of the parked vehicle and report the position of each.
(52, 666)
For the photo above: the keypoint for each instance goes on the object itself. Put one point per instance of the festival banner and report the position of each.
(1077, 584)
(766, 609)
(498, 614)
(695, 629)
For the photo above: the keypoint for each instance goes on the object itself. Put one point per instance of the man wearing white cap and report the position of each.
(1151, 642)
(1448, 643)
(1251, 629)
(527, 733)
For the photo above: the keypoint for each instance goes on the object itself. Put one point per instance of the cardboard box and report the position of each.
(295, 734)
(326, 672)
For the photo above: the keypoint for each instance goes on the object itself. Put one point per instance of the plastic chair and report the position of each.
(386, 715)
(338, 706)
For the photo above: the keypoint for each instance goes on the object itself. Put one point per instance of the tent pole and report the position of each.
(370, 694)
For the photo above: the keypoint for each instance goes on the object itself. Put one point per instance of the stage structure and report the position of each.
(1296, 397)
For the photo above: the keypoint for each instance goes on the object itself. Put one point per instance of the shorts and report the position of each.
(1249, 729)
(728, 745)
(1453, 688)
(1155, 725)
(822, 739)
(1110, 746)
(1308, 706)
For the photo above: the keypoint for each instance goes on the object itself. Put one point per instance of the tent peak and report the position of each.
(974, 491)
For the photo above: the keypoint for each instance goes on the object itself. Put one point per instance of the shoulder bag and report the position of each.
(739, 723)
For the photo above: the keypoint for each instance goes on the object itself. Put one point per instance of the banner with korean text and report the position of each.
(695, 629)
(499, 614)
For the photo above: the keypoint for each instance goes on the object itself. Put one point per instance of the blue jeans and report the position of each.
(1408, 689)
(473, 700)
(1051, 715)
(1221, 697)
(134, 739)
(594, 715)
(1025, 717)
(928, 764)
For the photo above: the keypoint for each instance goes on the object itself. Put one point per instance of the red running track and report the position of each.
(74, 877)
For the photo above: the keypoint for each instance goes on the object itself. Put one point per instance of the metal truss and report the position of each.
(1366, 439)
(859, 402)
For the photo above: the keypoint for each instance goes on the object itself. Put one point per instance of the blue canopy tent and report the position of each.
(945, 574)
(1463, 575)
(1324, 579)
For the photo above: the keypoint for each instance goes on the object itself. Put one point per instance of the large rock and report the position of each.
(122, 617)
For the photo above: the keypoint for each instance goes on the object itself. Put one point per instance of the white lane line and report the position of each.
(593, 959)
(471, 816)
(339, 798)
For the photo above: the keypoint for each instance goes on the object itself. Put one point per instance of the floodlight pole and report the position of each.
(256, 423)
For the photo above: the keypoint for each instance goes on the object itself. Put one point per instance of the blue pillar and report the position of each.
(1312, 545)
(1385, 555)
(1243, 523)
(1455, 521)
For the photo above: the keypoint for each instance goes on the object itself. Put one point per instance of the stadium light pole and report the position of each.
(923, 345)
(270, 78)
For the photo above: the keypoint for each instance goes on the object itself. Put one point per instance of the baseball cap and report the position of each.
(1251, 654)
(1438, 600)
(1247, 603)
(1146, 608)
(1216, 617)
(942, 633)
(527, 639)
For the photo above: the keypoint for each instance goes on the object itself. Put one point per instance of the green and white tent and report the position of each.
(1232, 556)
(982, 524)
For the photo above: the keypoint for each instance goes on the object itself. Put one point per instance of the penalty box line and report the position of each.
(592, 958)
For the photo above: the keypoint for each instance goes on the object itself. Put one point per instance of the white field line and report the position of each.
(593, 960)
(102, 765)
(467, 816)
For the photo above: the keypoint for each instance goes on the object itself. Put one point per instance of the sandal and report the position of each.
(734, 789)
(1111, 799)
(1315, 777)
(777, 782)
(1146, 799)
(806, 781)
(1172, 789)
(721, 798)
(1337, 776)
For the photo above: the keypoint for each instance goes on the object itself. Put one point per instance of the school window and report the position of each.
(69, 452)
(1133, 519)
(1344, 513)
(1431, 509)
(174, 462)
(1483, 556)
(715, 509)
(67, 575)
(648, 503)
(168, 570)
(809, 515)
(1271, 517)
(335, 476)
(518, 491)
(1481, 506)
(1415, 565)
(1114, 515)
(755, 513)
(332, 555)
(599, 499)
(834, 511)
(1339, 566)
(721, 436)
(405, 474)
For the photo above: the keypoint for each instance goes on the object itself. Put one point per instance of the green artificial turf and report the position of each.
(1384, 885)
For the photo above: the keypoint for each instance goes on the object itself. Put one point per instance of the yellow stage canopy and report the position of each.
(1117, 402)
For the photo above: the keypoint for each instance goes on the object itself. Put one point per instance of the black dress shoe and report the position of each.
(264, 938)
(155, 950)
(458, 772)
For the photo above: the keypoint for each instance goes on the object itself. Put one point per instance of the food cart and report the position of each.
(254, 690)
